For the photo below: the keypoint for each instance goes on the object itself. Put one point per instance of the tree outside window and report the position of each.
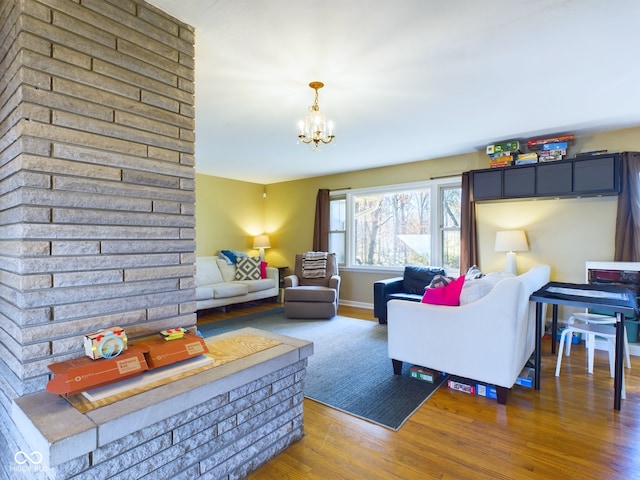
(415, 224)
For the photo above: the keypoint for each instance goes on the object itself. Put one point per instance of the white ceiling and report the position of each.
(405, 80)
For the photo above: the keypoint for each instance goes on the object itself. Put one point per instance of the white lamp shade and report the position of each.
(511, 241)
(261, 241)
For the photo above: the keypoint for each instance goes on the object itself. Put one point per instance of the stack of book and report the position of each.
(526, 158)
(551, 148)
(503, 154)
(546, 149)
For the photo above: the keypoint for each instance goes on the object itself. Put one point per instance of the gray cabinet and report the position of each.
(519, 182)
(487, 184)
(595, 175)
(554, 179)
(574, 177)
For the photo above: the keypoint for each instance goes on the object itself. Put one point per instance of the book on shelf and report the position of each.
(554, 146)
(502, 155)
(527, 156)
(549, 158)
(501, 160)
(591, 153)
(536, 143)
(510, 146)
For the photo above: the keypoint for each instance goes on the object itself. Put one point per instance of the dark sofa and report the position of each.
(408, 287)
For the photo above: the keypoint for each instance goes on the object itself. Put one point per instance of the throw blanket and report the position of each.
(314, 265)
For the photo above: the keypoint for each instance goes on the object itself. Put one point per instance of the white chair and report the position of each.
(591, 325)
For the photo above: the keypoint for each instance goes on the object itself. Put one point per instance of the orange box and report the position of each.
(160, 352)
(80, 374)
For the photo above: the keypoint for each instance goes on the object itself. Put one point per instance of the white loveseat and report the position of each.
(488, 340)
(216, 285)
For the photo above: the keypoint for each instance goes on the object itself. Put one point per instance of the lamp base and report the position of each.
(261, 249)
(511, 264)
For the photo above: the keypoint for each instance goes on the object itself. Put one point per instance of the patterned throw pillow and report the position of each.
(248, 268)
(473, 273)
(440, 281)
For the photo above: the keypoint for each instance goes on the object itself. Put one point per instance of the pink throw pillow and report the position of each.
(263, 269)
(448, 295)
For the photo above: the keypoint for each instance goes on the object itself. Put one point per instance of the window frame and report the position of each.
(436, 185)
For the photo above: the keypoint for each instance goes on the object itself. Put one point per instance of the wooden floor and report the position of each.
(568, 429)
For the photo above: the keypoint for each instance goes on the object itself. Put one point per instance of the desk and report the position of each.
(615, 298)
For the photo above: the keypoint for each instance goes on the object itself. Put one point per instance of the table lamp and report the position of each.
(511, 241)
(260, 242)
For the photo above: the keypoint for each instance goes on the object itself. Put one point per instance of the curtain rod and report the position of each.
(446, 176)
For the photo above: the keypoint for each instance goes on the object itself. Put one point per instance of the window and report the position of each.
(397, 225)
(450, 207)
(338, 227)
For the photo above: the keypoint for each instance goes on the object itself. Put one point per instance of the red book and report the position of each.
(535, 143)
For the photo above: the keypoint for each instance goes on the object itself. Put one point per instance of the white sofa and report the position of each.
(488, 340)
(216, 285)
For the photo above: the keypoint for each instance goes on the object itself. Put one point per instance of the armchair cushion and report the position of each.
(310, 294)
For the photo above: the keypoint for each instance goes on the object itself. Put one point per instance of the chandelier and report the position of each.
(315, 130)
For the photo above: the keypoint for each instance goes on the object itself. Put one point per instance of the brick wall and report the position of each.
(96, 181)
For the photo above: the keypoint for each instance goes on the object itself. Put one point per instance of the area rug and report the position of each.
(349, 370)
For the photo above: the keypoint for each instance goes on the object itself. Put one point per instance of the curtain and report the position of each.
(321, 226)
(468, 232)
(627, 235)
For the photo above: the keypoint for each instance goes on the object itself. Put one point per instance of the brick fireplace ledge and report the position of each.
(231, 396)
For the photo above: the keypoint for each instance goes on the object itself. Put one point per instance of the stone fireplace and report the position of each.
(96, 183)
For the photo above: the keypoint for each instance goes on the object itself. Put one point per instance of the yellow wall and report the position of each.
(564, 233)
(228, 214)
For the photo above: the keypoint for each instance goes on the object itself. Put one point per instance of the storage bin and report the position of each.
(632, 330)
(575, 337)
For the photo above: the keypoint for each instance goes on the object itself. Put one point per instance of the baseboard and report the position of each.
(349, 303)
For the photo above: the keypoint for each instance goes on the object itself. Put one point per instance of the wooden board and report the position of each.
(147, 378)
